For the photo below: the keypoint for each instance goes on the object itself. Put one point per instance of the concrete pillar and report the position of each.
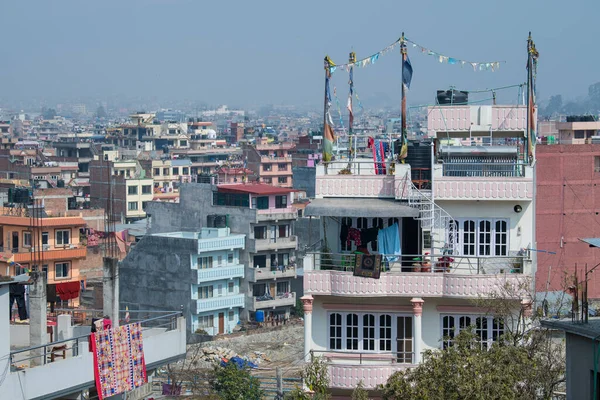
(110, 291)
(64, 329)
(527, 311)
(4, 324)
(38, 318)
(307, 304)
(417, 304)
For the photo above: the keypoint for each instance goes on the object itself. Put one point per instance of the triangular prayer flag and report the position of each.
(407, 72)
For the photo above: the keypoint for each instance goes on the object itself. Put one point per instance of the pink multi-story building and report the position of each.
(271, 163)
(398, 268)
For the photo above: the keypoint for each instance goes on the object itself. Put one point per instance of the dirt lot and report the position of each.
(269, 348)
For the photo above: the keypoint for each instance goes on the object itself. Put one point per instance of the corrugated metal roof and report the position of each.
(593, 242)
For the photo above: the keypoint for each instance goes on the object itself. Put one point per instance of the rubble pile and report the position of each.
(217, 354)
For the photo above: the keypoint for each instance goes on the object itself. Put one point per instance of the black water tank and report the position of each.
(419, 158)
(452, 97)
(210, 221)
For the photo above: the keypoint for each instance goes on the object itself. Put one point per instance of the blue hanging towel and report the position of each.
(388, 240)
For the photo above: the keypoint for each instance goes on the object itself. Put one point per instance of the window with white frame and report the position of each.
(61, 270)
(405, 340)
(372, 332)
(501, 238)
(352, 332)
(368, 332)
(231, 316)
(488, 329)
(385, 333)
(206, 321)
(335, 331)
(205, 292)
(205, 262)
(230, 287)
(27, 238)
(483, 237)
(63, 237)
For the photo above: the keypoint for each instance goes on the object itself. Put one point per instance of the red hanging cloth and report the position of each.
(68, 290)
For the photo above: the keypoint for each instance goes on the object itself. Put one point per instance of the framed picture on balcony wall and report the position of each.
(368, 266)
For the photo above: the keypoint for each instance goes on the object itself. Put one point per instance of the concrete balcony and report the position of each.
(213, 274)
(411, 284)
(66, 378)
(49, 253)
(276, 172)
(257, 274)
(381, 186)
(276, 214)
(268, 159)
(348, 376)
(219, 303)
(226, 243)
(279, 301)
(466, 188)
(278, 243)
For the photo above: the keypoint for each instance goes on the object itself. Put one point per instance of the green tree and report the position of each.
(232, 383)
(524, 364)
(555, 105)
(359, 393)
(316, 379)
(594, 96)
(101, 112)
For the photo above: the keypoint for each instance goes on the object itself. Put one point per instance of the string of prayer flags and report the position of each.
(372, 59)
(443, 59)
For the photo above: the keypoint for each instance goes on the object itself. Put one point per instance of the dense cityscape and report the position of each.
(218, 218)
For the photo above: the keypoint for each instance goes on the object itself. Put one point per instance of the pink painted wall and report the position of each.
(567, 207)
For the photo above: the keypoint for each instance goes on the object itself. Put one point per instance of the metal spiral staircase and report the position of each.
(433, 218)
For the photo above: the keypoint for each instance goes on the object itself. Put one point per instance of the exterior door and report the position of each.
(15, 242)
(221, 323)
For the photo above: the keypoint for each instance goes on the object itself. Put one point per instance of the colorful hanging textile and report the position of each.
(379, 157)
(119, 364)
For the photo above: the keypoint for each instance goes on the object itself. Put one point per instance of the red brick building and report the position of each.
(567, 209)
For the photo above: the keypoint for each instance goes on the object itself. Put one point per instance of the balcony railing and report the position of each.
(70, 347)
(476, 169)
(277, 243)
(407, 263)
(164, 340)
(220, 243)
(256, 274)
(277, 213)
(267, 301)
(218, 303)
(212, 274)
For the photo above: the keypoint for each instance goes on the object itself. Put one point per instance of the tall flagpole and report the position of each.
(529, 116)
(351, 61)
(328, 134)
(403, 137)
(326, 66)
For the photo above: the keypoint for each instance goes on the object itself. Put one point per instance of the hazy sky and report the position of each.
(257, 52)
